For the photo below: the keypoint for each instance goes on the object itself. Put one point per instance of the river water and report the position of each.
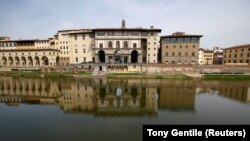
(114, 108)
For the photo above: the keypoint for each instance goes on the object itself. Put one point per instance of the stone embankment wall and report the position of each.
(162, 68)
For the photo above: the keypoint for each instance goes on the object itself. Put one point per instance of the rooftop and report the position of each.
(238, 46)
(180, 34)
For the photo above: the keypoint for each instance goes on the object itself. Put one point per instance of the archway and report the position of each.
(17, 61)
(134, 56)
(23, 61)
(10, 60)
(4, 60)
(37, 61)
(30, 61)
(45, 60)
(101, 55)
(117, 56)
(134, 94)
(57, 60)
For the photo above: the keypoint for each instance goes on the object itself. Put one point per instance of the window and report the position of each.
(100, 45)
(154, 48)
(144, 34)
(236, 50)
(110, 33)
(179, 53)
(118, 33)
(173, 54)
(84, 59)
(125, 44)
(117, 44)
(152, 33)
(229, 55)
(75, 37)
(83, 36)
(76, 51)
(166, 46)
(174, 46)
(100, 34)
(135, 33)
(76, 59)
(241, 54)
(235, 55)
(124, 33)
(193, 46)
(242, 49)
(180, 46)
(193, 54)
(186, 46)
(186, 53)
(110, 44)
(194, 39)
(134, 45)
(166, 54)
(148, 48)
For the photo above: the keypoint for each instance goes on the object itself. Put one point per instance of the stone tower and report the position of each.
(123, 24)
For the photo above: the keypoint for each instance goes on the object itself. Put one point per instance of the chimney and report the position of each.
(151, 27)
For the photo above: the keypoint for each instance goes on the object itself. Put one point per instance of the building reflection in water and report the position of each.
(239, 91)
(116, 96)
(100, 97)
(178, 95)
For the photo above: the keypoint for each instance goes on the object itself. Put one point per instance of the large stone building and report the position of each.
(237, 54)
(180, 48)
(27, 53)
(101, 46)
(108, 45)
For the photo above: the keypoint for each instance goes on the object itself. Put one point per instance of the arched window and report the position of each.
(117, 44)
(125, 44)
(110, 44)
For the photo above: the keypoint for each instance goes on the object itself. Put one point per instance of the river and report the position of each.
(114, 108)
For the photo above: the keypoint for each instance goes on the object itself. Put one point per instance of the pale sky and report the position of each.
(223, 23)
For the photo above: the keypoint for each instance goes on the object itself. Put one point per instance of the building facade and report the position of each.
(218, 56)
(180, 48)
(108, 45)
(207, 58)
(27, 53)
(200, 56)
(237, 54)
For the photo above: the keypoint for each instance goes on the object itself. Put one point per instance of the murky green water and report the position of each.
(114, 109)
